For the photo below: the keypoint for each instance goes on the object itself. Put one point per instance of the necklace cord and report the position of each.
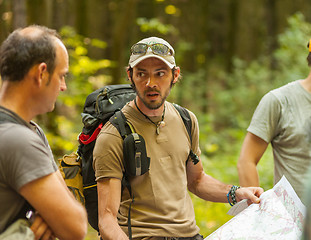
(156, 124)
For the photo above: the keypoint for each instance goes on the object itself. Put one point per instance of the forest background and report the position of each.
(231, 52)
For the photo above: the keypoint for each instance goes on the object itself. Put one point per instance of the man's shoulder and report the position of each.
(173, 107)
(286, 89)
(279, 95)
(13, 134)
(286, 93)
(18, 145)
(10, 129)
(109, 130)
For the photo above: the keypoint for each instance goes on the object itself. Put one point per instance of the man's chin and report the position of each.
(51, 109)
(153, 105)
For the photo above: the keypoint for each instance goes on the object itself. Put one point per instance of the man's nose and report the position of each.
(151, 82)
(63, 86)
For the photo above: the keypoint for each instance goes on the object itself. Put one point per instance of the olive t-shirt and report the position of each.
(162, 205)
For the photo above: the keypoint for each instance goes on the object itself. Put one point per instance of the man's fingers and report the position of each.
(39, 227)
(250, 193)
(48, 235)
(36, 223)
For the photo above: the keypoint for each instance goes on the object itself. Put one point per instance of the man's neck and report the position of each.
(306, 83)
(13, 99)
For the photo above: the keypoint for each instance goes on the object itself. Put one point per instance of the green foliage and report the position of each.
(225, 102)
(292, 53)
(85, 76)
(154, 25)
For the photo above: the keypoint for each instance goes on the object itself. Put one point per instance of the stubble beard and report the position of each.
(152, 105)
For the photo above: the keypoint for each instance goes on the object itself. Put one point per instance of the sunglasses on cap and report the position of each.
(156, 48)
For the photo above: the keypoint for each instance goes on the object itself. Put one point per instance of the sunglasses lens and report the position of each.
(157, 48)
(160, 49)
(139, 49)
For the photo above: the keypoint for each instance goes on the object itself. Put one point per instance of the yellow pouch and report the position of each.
(70, 167)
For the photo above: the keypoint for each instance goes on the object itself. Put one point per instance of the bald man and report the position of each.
(33, 66)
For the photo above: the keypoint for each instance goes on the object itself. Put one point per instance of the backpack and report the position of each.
(104, 105)
(99, 107)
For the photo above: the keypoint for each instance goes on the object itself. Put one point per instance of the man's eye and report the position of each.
(161, 74)
(64, 76)
(141, 74)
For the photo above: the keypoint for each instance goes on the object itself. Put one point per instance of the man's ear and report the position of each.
(176, 75)
(37, 73)
(42, 73)
(129, 75)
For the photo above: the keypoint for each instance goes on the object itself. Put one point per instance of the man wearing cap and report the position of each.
(282, 118)
(162, 208)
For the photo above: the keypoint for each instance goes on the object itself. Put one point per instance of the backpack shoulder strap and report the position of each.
(183, 112)
(119, 121)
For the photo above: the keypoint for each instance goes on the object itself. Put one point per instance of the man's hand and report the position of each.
(58, 217)
(252, 194)
(41, 229)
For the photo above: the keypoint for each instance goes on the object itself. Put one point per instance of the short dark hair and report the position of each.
(309, 55)
(309, 59)
(20, 52)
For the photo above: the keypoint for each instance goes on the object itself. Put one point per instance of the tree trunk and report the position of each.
(123, 21)
(233, 29)
(19, 13)
(271, 17)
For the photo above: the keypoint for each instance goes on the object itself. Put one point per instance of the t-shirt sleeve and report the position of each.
(107, 158)
(25, 157)
(264, 123)
(195, 134)
(46, 143)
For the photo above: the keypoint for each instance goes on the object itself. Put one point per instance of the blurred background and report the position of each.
(231, 52)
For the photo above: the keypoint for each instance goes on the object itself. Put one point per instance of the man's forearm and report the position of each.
(210, 189)
(248, 174)
(110, 230)
(252, 150)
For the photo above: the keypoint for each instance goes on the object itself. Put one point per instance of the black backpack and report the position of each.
(104, 105)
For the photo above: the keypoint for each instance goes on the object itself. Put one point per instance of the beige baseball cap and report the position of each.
(168, 59)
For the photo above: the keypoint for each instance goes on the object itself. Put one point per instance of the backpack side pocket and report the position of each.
(70, 168)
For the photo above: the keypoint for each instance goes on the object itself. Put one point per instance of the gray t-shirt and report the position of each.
(25, 156)
(283, 117)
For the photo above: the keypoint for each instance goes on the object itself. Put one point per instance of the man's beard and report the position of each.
(152, 105)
